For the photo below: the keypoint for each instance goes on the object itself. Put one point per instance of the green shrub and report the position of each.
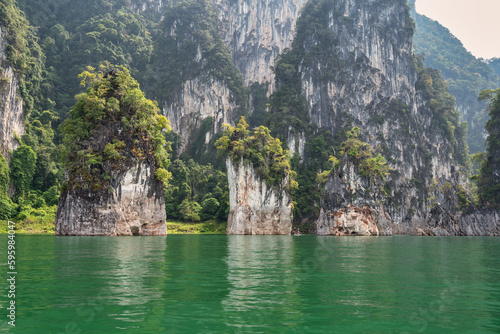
(266, 153)
(112, 96)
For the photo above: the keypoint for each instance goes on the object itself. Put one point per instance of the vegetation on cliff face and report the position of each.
(23, 53)
(259, 148)
(465, 74)
(489, 176)
(372, 166)
(189, 47)
(77, 34)
(446, 118)
(314, 43)
(162, 54)
(315, 50)
(34, 172)
(5, 202)
(112, 127)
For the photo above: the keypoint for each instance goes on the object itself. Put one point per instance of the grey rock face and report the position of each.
(11, 104)
(352, 205)
(134, 205)
(198, 100)
(256, 208)
(378, 93)
(256, 32)
(374, 89)
(441, 222)
(146, 5)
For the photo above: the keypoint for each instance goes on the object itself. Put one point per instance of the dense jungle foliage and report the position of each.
(193, 48)
(489, 175)
(445, 116)
(70, 36)
(162, 50)
(466, 75)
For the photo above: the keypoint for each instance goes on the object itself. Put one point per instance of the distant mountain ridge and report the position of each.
(466, 74)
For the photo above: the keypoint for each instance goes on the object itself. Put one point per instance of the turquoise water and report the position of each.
(254, 284)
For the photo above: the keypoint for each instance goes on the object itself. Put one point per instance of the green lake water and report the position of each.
(254, 284)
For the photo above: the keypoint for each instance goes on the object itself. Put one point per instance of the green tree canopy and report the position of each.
(22, 169)
(465, 74)
(489, 177)
(266, 153)
(363, 155)
(112, 126)
(190, 210)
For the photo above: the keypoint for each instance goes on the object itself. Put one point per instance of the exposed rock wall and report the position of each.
(146, 5)
(352, 205)
(369, 79)
(256, 32)
(467, 75)
(11, 104)
(255, 207)
(134, 205)
(443, 223)
(196, 101)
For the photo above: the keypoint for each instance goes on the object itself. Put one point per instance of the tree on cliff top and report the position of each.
(265, 153)
(489, 177)
(112, 127)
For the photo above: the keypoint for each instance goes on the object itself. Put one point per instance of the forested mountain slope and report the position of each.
(467, 76)
(333, 76)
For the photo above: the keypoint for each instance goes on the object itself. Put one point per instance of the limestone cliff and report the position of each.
(134, 205)
(354, 64)
(383, 92)
(352, 204)
(116, 168)
(198, 100)
(255, 207)
(466, 74)
(11, 104)
(196, 77)
(252, 33)
(256, 32)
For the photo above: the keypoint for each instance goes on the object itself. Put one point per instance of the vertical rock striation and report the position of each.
(197, 77)
(134, 205)
(255, 207)
(256, 32)
(11, 104)
(198, 100)
(253, 32)
(350, 206)
(355, 63)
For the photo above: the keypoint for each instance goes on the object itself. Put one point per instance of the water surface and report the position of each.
(254, 284)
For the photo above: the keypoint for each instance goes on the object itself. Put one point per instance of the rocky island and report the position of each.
(260, 181)
(116, 160)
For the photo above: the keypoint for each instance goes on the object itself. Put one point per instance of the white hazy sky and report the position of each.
(475, 22)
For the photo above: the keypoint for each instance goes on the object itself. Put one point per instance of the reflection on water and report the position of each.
(262, 288)
(256, 284)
